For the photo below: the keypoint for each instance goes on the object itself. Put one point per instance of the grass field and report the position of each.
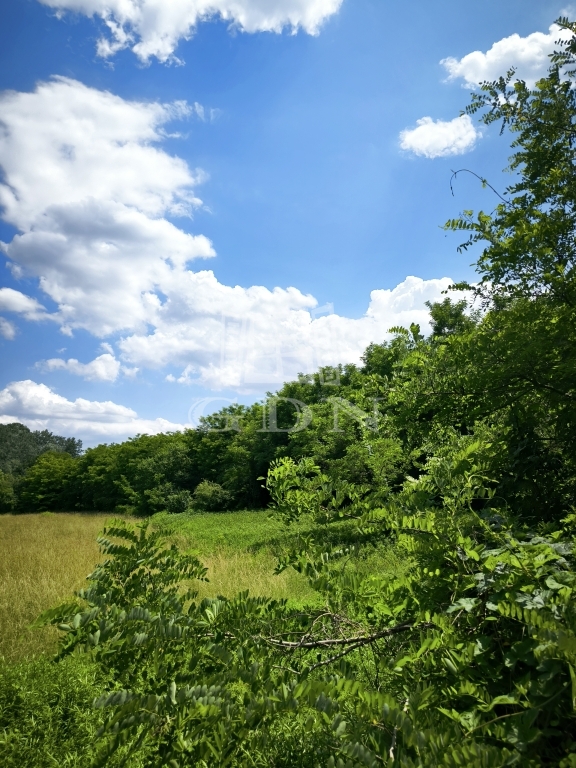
(45, 557)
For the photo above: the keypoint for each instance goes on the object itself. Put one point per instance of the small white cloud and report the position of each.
(439, 138)
(155, 27)
(15, 301)
(39, 407)
(528, 55)
(103, 368)
(7, 329)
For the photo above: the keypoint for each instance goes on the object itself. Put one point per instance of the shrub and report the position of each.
(46, 713)
(210, 497)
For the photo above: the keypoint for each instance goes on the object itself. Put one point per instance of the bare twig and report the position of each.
(358, 640)
(484, 181)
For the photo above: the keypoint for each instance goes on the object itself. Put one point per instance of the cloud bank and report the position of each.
(528, 55)
(155, 27)
(39, 407)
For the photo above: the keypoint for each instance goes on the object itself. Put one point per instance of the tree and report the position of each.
(19, 446)
(531, 235)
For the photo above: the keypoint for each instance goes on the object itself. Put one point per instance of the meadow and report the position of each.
(45, 557)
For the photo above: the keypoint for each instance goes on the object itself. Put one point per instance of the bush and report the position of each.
(210, 497)
(179, 501)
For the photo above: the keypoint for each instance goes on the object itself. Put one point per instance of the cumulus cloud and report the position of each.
(88, 186)
(39, 407)
(252, 338)
(155, 27)
(439, 138)
(105, 367)
(17, 302)
(528, 55)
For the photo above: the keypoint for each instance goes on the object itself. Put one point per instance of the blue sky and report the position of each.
(201, 199)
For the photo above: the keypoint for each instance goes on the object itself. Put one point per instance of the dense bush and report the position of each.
(210, 497)
(46, 713)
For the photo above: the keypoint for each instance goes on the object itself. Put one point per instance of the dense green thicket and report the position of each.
(457, 449)
(19, 449)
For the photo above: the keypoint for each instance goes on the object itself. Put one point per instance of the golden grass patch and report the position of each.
(43, 559)
(230, 572)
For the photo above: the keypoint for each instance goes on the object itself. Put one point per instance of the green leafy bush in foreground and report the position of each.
(466, 658)
(46, 713)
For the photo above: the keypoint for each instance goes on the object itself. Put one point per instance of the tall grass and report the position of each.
(45, 557)
(238, 548)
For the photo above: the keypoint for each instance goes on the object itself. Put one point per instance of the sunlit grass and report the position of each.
(45, 557)
(238, 548)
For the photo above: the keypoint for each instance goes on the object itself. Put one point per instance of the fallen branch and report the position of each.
(358, 640)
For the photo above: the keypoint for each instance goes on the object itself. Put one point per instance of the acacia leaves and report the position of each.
(530, 236)
(466, 654)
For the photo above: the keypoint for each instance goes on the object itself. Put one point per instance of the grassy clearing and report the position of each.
(238, 550)
(244, 531)
(45, 557)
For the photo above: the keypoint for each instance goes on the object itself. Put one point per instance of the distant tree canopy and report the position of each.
(20, 446)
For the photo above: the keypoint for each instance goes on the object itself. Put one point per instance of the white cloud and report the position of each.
(39, 407)
(103, 368)
(528, 55)
(15, 301)
(155, 27)
(93, 233)
(252, 338)
(88, 188)
(439, 138)
(7, 329)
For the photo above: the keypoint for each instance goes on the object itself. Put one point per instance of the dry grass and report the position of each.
(43, 559)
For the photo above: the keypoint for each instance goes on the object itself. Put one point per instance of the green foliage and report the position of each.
(530, 235)
(210, 497)
(7, 495)
(466, 655)
(46, 713)
(48, 483)
(450, 317)
(19, 447)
